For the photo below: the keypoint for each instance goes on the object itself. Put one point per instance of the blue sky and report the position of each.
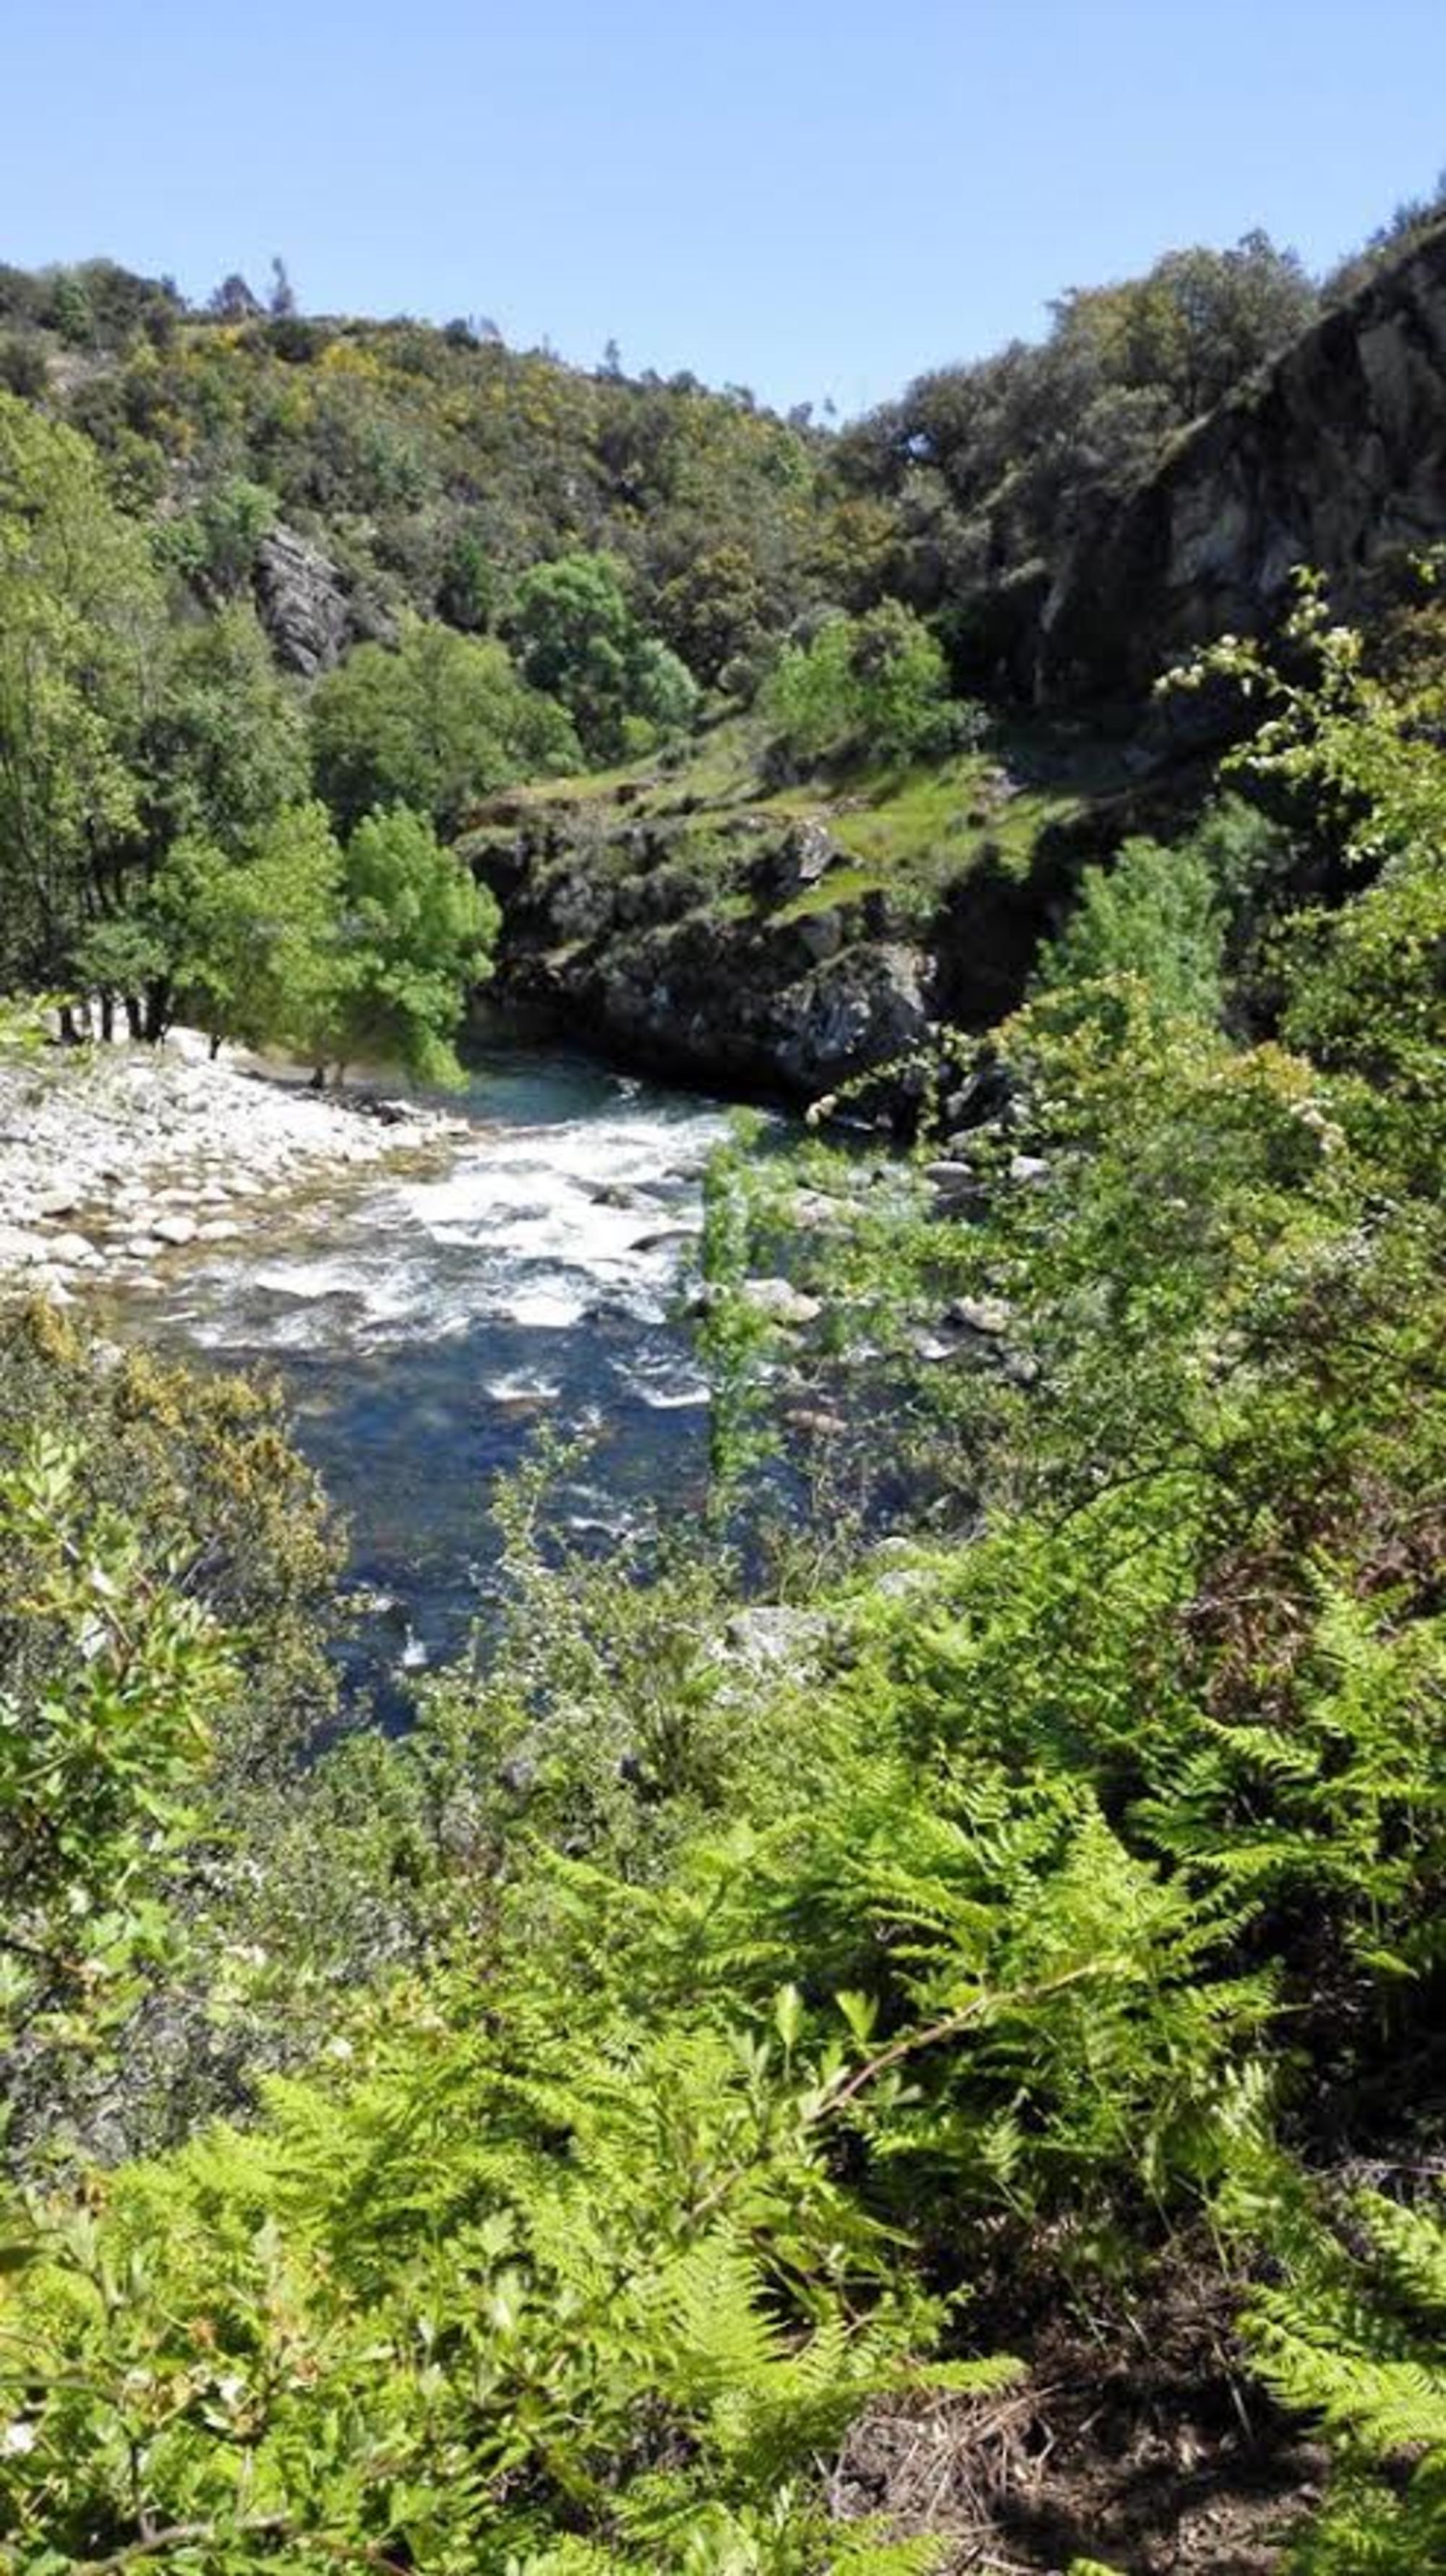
(812, 199)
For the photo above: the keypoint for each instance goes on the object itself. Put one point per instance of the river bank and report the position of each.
(113, 1159)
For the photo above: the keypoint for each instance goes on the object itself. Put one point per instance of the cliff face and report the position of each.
(742, 948)
(1335, 457)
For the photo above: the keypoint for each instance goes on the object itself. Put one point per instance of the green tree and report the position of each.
(24, 367)
(251, 939)
(1155, 914)
(872, 688)
(70, 309)
(436, 723)
(1363, 982)
(468, 586)
(714, 611)
(1197, 322)
(81, 630)
(663, 692)
(577, 637)
(226, 747)
(416, 935)
(215, 544)
(366, 953)
(224, 752)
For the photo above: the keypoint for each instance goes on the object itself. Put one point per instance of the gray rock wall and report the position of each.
(310, 613)
(613, 932)
(1335, 456)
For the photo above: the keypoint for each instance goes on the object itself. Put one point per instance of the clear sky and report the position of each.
(819, 197)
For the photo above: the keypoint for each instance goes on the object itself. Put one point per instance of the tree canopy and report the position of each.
(437, 723)
(577, 638)
(81, 638)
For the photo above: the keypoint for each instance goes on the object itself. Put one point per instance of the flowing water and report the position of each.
(425, 1325)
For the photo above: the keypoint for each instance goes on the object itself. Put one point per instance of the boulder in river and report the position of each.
(73, 1251)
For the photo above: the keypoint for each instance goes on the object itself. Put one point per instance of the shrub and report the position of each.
(869, 688)
(1156, 914)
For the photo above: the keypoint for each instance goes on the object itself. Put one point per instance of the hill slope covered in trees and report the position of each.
(254, 558)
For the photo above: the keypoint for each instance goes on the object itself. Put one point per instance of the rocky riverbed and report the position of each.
(114, 1160)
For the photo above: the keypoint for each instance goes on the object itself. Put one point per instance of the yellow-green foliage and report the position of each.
(552, 2274)
(1355, 2338)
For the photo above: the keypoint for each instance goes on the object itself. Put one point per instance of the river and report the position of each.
(425, 1326)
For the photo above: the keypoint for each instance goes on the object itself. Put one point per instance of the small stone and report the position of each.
(781, 1302)
(53, 1287)
(60, 1200)
(73, 1251)
(18, 1249)
(820, 934)
(932, 1347)
(987, 1315)
(814, 1212)
(1028, 1169)
(175, 1229)
(221, 1229)
(771, 1636)
(815, 1423)
(902, 1582)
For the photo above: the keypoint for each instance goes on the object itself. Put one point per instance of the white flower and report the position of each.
(17, 2437)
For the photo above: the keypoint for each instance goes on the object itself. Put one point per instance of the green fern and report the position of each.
(1357, 2341)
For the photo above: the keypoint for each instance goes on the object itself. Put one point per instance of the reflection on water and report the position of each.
(424, 1327)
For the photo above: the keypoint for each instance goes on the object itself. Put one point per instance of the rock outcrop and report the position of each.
(1334, 456)
(309, 611)
(750, 950)
(713, 950)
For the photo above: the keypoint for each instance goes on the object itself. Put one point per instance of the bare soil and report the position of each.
(1142, 2445)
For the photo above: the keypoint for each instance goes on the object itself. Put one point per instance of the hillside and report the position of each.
(1052, 526)
(470, 568)
(348, 471)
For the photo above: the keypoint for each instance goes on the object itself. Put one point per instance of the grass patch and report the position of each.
(907, 834)
(840, 886)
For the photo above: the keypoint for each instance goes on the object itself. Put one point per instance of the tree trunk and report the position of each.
(158, 1010)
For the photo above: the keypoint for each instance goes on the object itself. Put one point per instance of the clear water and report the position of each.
(425, 1326)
